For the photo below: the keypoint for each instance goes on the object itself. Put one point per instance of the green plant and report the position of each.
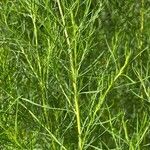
(74, 75)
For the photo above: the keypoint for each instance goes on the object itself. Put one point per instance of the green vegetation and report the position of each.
(74, 75)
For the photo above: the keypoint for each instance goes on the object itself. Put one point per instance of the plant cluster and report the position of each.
(74, 74)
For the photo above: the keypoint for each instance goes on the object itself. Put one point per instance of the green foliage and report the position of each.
(74, 75)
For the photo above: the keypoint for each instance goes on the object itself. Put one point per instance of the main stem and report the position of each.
(141, 23)
(74, 78)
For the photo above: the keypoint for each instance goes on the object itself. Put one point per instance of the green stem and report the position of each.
(74, 77)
